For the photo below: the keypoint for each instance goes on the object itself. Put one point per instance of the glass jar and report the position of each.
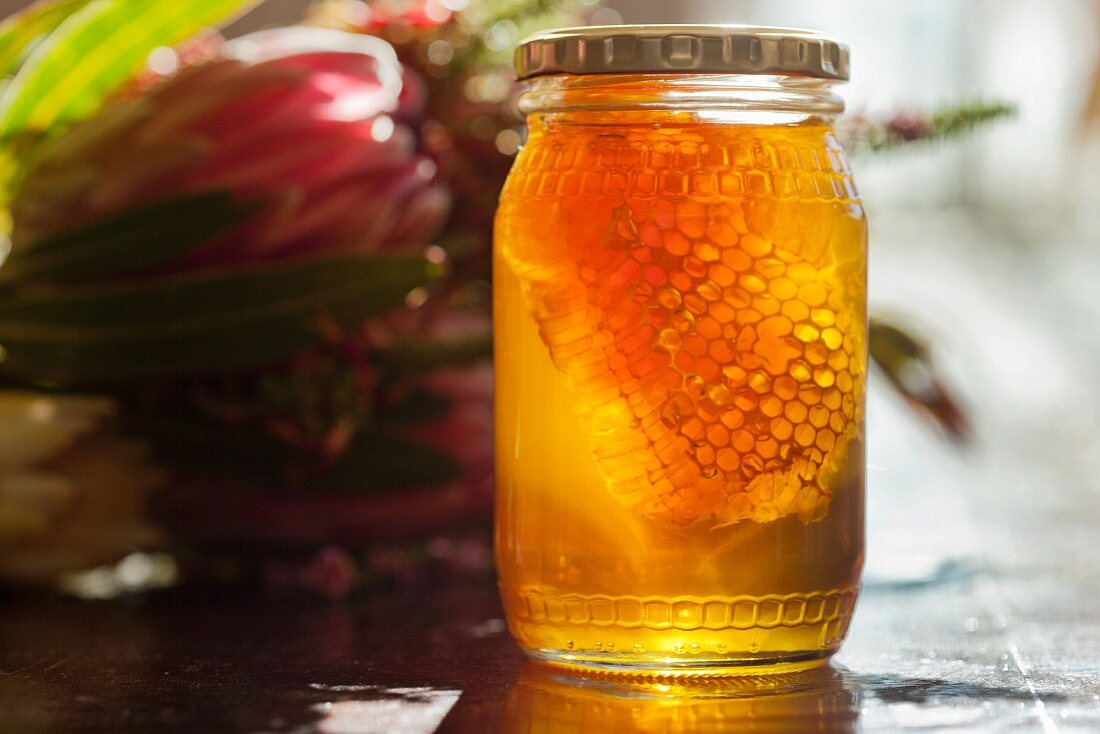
(680, 335)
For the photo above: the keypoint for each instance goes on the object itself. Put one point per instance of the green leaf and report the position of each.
(420, 406)
(378, 461)
(416, 356)
(195, 324)
(93, 51)
(130, 242)
(247, 454)
(21, 32)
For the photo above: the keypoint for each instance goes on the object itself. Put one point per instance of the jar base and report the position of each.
(620, 666)
(681, 636)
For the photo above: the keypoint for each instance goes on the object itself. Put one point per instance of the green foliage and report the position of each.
(192, 324)
(412, 357)
(22, 32)
(96, 49)
(862, 135)
(382, 461)
(379, 458)
(130, 242)
(69, 57)
(496, 25)
(953, 121)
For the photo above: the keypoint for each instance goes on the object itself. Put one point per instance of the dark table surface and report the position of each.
(933, 654)
(980, 613)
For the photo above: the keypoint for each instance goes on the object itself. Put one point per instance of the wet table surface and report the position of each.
(964, 649)
(980, 612)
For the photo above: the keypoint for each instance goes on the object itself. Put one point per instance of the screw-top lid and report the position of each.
(685, 49)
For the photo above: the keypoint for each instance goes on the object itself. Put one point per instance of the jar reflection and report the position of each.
(546, 701)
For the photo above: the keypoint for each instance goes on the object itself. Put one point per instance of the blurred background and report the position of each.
(984, 266)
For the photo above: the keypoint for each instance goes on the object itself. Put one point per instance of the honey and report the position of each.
(680, 367)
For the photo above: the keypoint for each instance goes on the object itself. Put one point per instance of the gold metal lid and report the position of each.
(685, 49)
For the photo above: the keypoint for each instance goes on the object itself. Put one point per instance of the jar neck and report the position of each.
(717, 98)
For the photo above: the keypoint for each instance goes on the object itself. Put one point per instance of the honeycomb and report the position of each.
(702, 291)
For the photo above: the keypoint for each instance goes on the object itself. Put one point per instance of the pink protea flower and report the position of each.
(304, 122)
(313, 127)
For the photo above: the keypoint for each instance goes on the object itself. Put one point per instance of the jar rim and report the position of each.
(677, 48)
(705, 95)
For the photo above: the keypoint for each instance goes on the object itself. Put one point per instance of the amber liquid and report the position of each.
(680, 362)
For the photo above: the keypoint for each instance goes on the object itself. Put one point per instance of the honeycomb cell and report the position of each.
(733, 418)
(728, 459)
(766, 304)
(676, 243)
(743, 441)
(718, 435)
(709, 291)
(708, 252)
(683, 320)
(721, 395)
(824, 376)
(785, 387)
(770, 268)
(823, 317)
(832, 338)
(670, 298)
(795, 310)
(806, 333)
(747, 316)
(708, 369)
(695, 344)
(709, 328)
(720, 232)
(671, 339)
(782, 429)
(755, 246)
(767, 447)
(722, 275)
(721, 351)
(838, 360)
(774, 327)
(796, 412)
(783, 288)
(760, 383)
(844, 381)
(723, 312)
(737, 259)
(753, 283)
(804, 434)
(771, 406)
(695, 304)
(708, 410)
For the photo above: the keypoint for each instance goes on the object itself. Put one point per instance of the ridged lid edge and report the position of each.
(644, 49)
